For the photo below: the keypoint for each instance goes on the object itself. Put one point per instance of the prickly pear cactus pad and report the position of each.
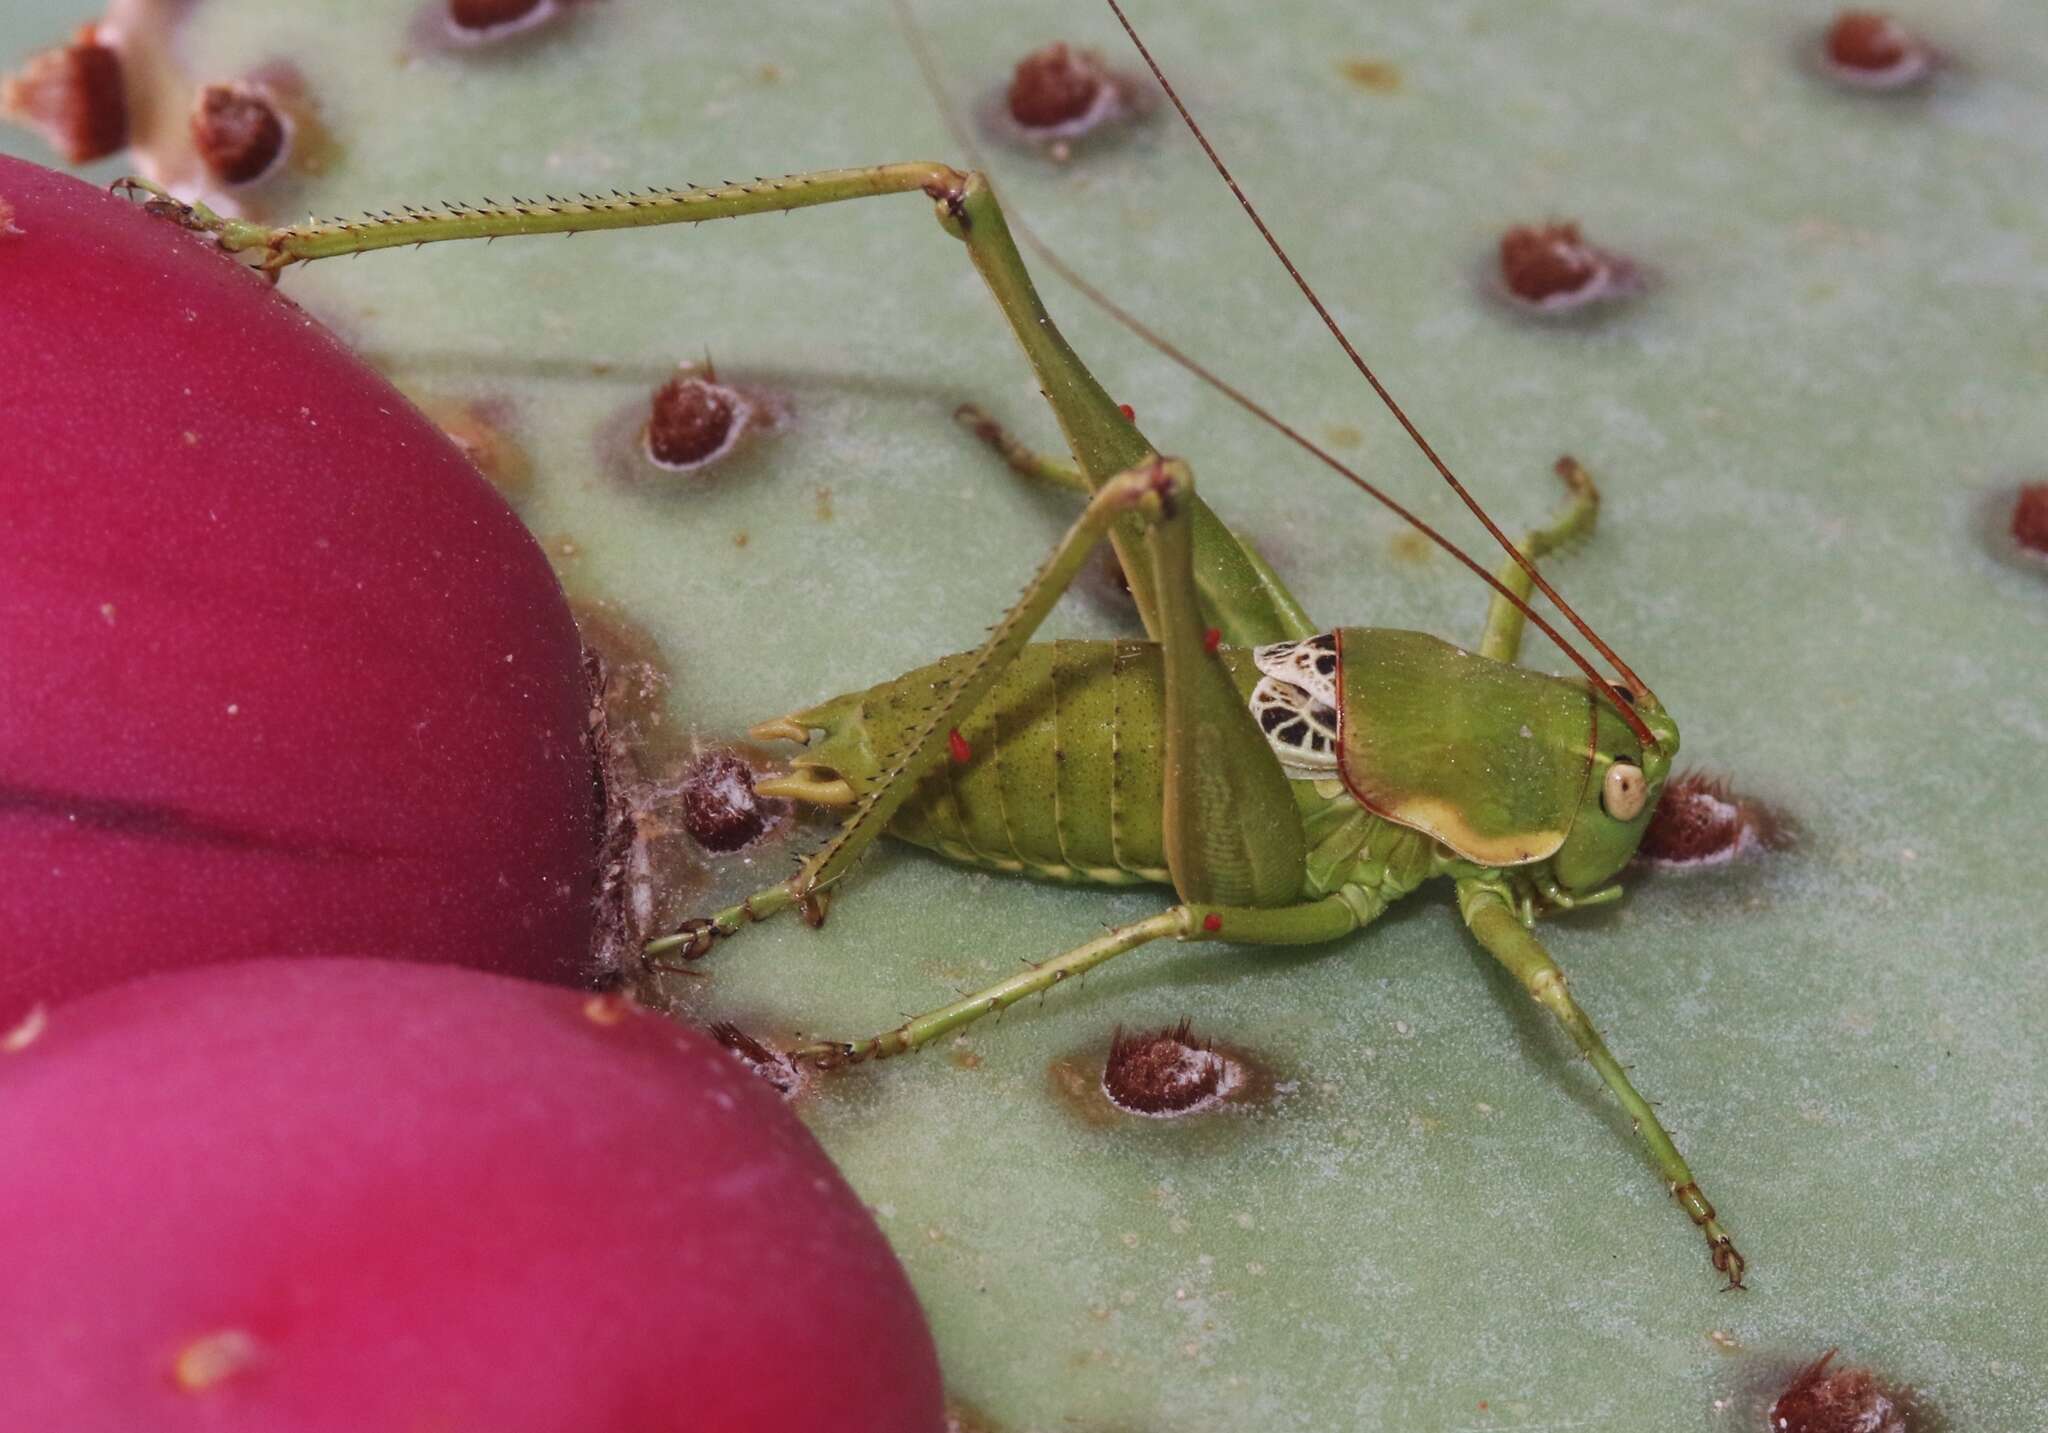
(1810, 393)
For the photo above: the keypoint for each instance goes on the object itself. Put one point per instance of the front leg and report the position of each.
(1234, 586)
(1020, 457)
(1492, 918)
(1504, 621)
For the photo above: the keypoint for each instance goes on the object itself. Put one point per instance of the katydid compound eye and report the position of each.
(1623, 792)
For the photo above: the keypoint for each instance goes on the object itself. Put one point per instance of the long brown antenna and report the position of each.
(1280, 425)
(971, 152)
(1360, 364)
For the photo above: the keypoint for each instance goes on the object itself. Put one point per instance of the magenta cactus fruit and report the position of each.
(283, 673)
(320, 1194)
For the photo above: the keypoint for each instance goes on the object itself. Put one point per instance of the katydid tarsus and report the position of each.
(1288, 781)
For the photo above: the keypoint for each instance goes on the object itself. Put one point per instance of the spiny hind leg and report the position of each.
(1504, 622)
(1492, 918)
(1309, 923)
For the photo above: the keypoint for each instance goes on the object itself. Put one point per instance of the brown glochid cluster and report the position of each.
(239, 133)
(721, 810)
(1055, 85)
(692, 420)
(1824, 1399)
(1162, 1072)
(74, 95)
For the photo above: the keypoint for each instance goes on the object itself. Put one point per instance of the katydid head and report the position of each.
(1487, 758)
(1500, 765)
(1620, 795)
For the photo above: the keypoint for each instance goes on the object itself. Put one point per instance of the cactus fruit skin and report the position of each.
(270, 642)
(334, 1194)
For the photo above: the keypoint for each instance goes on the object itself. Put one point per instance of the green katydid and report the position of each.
(1289, 782)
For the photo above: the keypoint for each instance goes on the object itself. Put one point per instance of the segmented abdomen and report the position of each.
(1063, 772)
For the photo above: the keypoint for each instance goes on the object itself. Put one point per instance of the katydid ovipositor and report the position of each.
(1289, 782)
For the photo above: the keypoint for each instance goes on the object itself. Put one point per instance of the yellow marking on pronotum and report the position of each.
(1439, 818)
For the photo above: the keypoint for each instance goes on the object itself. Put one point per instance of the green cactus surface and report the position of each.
(1807, 428)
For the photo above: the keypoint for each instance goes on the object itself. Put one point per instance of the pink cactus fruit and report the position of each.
(321, 1194)
(283, 673)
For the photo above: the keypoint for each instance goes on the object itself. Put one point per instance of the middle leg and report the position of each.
(1309, 923)
(1504, 622)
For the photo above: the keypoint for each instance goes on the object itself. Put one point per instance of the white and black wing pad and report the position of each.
(1295, 703)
